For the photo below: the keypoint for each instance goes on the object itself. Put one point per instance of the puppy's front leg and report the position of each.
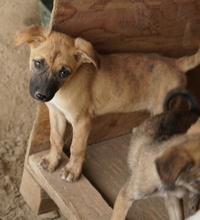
(50, 161)
(81, 129)
(172, 205)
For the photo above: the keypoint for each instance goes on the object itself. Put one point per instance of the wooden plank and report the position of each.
(37, 199)
(78, 200)
(106, 168)
(169, 27)
(112, 125)
(39, 136)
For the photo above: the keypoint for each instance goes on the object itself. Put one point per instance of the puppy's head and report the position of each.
(180, 165)
(54, 58)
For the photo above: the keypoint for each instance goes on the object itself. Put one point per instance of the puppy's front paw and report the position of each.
(49, 162)
(70, 173)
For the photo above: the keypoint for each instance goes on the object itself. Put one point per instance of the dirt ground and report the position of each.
(17, 109)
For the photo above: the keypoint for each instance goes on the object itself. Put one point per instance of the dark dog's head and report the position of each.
(54, 59)
(180, 165)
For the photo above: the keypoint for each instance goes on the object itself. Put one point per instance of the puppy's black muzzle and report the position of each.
(43, 88)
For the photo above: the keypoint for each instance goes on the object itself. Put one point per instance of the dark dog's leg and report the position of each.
(173, 207)
(193, 203)
(58, 124)
(123, 202)
(71, 172)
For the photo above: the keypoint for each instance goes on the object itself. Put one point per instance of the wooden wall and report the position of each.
(170, 27)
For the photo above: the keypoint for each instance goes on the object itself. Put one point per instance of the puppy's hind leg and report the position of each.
(123, 202)
(173, 207)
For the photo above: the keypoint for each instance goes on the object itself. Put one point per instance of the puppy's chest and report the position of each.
(65, 109)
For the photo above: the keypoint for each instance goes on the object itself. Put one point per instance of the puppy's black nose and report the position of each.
(40, 96)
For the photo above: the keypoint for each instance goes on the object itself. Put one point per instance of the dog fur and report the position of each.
(78, 84)
(164, 160)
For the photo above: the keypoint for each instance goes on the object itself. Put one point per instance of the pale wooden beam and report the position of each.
(77, 200)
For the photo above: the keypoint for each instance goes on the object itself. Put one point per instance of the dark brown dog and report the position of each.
(78, 84)
(164, 160)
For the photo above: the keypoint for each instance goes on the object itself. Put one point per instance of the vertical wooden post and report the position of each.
(37, 199)
(35, 196)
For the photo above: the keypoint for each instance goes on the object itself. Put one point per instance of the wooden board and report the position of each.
(37, 199)
(78, 200)
(168, 27)
(112, 125)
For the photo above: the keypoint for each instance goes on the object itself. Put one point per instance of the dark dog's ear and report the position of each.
(86, 52)
(171, 163)
(33, 35)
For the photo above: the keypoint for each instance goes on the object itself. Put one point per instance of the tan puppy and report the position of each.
(78, 84)
(164, 160)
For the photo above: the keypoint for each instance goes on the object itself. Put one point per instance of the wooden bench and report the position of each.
(167, 27)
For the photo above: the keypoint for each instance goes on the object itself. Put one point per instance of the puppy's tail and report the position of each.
(189, 62)
(191, 100)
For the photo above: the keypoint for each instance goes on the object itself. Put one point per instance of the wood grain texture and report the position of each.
(169, 27)
(40, 133)
(35, 196)
(78, 200)
(112, 125)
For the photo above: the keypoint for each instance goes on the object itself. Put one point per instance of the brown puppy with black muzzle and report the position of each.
(78, 84)
(164, 160)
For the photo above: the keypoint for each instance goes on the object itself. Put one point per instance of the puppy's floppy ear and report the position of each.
(33, 35)
(86, 52)
(173, 161)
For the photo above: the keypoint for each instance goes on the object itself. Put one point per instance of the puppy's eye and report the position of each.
(63, 73)
(38, 64)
